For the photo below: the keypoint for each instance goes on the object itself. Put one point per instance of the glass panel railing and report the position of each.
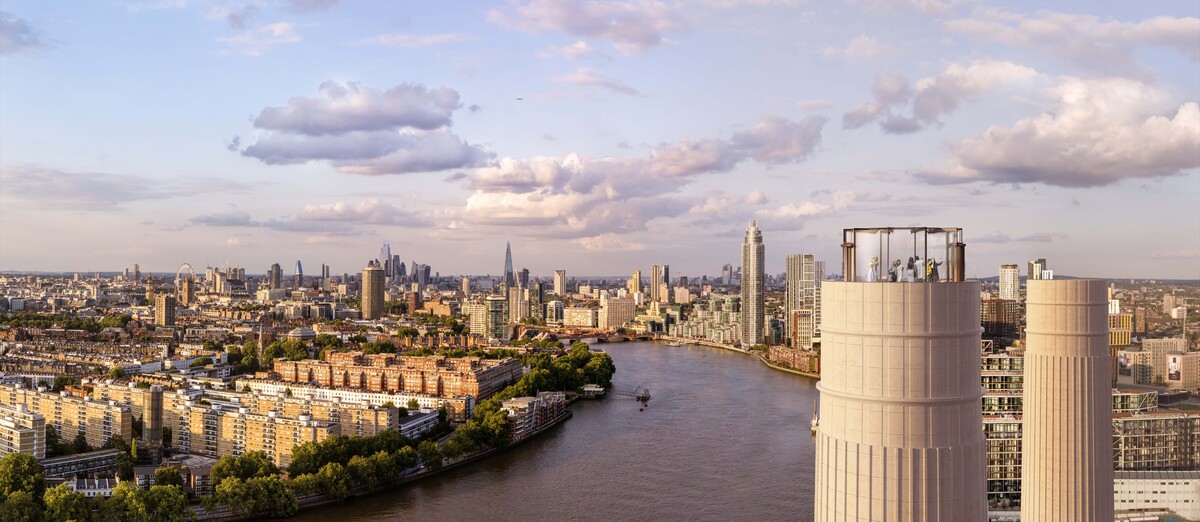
(902, 254)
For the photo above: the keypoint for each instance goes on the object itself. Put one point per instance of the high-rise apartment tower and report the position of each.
(1010, 282)
(560, 282)
(753, 318)
(372, 290)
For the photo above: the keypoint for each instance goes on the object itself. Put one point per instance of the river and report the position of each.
(723, 438)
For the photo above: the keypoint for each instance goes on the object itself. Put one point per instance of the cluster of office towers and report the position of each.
(901, 431)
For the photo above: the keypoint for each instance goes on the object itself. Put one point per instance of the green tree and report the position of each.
(54, 443)
(413, 404)
(167, 504)
(430, 453)
(127, 503)
(116, 373)
(20, 507)
(333, 481)
(328, 341)
(80, 444)
(20, 472)
(201, 361)
(246, 466)
(65, 504)
(168, 476)
(257, 496)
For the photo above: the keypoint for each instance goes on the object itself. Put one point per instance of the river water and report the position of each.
(723, 438)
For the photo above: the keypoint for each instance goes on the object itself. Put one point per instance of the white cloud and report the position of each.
(588, 78)
(931, 98)
(17, 36)
(577, 196)
(410, 40)
(809, 209)
(75, 190)
(256, 41)
(1082, 40)
(609, 243)
(757, 198)
(362, 130)
(928, 7)
(341, 108)
(813, 105)
(577, 51)
(777, 140)
(862, 47)
(631, 26)
(368, 212)
(1099, 132)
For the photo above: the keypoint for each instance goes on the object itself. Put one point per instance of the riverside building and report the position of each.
(900, 433)
(98, 421)
(433, 375)
(753, 273)
(22, 431)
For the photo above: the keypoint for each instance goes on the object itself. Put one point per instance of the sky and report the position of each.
(599, 137)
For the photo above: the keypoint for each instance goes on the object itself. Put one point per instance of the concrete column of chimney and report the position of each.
(901, 431)
(1067, 454)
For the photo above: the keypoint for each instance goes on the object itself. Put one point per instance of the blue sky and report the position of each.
(598, 136)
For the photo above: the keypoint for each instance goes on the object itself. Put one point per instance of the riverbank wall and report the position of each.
(712, 344)
(310, 502)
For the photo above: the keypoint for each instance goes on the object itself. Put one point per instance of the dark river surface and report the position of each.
(723, 438)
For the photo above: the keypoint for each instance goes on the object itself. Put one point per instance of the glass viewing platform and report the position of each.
(903, 255)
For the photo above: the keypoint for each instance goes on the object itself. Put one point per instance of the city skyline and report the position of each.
(595, 136)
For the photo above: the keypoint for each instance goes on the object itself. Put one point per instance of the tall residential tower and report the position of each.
(372, 290)
(802, 300)
(1010, 282)
(753, 318)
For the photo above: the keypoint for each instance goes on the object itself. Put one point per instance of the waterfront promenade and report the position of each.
(713, 344)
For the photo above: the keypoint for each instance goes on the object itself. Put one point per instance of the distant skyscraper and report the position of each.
(523, 278)
(466, 285)
(385, 253)
(1066, 454)
(1036, 267)
(397, 268)
(137, 273)
(164, 310)
(665, 287)
(753, 254)
(727, 274)
(510, 278)
(634, 285)
(560, 282)
(1010, 282)
(275, 277)
(299, 275)
(901, 429)
(802, 300)
(187, 290)
(400, 270)
(372, 291)
(656, 280)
